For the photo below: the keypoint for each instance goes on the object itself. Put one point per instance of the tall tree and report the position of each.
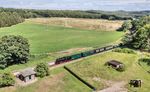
(140, 39)
(13, 50)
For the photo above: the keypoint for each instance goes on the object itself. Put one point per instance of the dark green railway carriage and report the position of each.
(88, 53)
(76, 56)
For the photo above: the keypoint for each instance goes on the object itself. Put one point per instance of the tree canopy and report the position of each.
(9, 18)
(32, 13)
(139, 35)
(126, 26)
(13, 50)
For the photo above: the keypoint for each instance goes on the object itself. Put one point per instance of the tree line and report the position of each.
(32, 13)
(10, 18)
(138, 33)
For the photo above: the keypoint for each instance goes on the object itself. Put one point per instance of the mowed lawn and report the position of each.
(92, 70)
(46, 38)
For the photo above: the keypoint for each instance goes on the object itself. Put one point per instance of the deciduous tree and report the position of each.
(13, 50)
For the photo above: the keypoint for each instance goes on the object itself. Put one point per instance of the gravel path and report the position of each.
(116, 87)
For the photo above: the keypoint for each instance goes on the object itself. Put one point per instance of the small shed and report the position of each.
(27, 75)
(135, 83)
(114, 63)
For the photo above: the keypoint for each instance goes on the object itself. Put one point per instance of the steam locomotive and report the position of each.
(84, 54)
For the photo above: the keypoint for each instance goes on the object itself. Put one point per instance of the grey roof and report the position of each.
(115, 62)
(27, 72)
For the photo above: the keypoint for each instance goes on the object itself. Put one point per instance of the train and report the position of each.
(85, 54)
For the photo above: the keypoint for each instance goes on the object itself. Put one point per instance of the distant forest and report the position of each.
(11, 16)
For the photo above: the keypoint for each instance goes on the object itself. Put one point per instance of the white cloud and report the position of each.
(79, 4)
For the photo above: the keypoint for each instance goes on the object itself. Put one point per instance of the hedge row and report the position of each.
(79, 78)
(124, 50)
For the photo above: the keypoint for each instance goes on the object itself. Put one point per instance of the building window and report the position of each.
(30, 77)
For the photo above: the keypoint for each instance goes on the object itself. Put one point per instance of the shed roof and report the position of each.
(27, 72)
(115, 62)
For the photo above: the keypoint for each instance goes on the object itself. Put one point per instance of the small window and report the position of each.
(30, 77)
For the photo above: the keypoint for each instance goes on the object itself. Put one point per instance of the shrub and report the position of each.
(6, 80)
(124, 50)
(42, 70)
(146, 60)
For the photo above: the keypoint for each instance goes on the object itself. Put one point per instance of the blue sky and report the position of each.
(109, 5)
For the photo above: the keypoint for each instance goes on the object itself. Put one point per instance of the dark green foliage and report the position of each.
(9, 18)
(3, 62)
(31, 13)
(126, 26)
(139, 35)
(6, 80)
(125, 14)
(127, 39)
(13, 50)
(142, 38)
(146, 60)
(92, 14)
(42, 70)
(124, 50)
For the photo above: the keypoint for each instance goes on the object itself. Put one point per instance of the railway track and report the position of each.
(76, 57)
(73, 57)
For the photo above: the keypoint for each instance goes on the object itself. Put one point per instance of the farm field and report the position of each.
(88, 24)
(56, 40)
(47, 38)
(74, 46)
(93, 71)
(47, 42)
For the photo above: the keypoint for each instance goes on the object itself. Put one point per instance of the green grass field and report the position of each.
(59, 81)
(93, 67)
(50, 39)
(47, 38)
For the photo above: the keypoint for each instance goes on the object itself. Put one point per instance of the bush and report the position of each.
(42, 70)
(124, 50)
(145, 60)
(6, 80)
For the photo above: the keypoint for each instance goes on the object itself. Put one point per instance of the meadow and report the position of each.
(94, 71)
(88, 24)
(51, 41)
(59, 81)
(48, 38)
